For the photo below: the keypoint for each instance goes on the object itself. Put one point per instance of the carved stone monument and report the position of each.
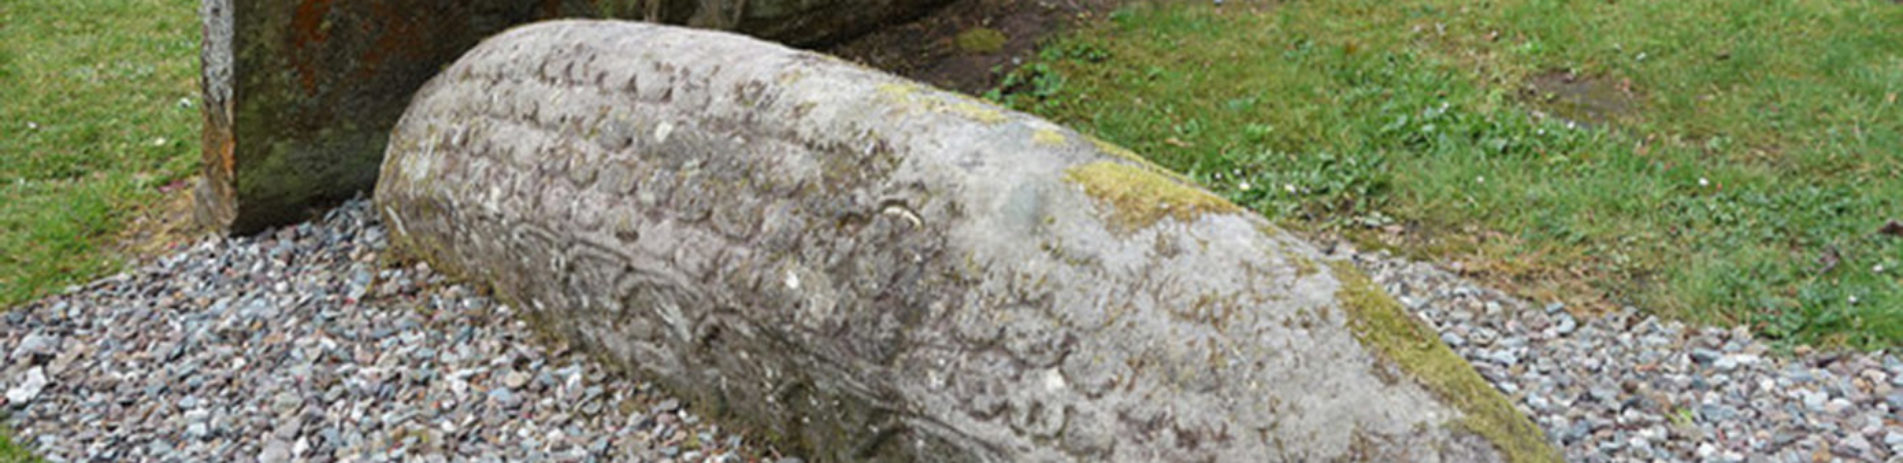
(857, 267)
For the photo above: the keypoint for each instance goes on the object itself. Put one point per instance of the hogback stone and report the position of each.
(857, 267)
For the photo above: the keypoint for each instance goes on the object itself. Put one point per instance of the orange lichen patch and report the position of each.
(307, 31)
(219, 147)
(400, 36)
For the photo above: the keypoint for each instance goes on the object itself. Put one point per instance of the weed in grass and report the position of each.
(1713, 161)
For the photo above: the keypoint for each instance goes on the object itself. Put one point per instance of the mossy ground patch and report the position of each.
(1383, 326)
(979, 40)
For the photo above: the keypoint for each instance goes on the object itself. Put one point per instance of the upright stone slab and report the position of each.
(300, 94)
(857, 267)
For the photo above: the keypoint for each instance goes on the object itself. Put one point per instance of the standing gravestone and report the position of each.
(857, 267)
(300, 94)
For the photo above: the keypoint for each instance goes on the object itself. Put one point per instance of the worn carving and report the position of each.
(858, 267)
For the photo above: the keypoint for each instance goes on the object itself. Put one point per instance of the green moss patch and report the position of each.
(1139, 197)
(1383, 326)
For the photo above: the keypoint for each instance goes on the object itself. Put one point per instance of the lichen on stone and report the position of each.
(1381, 325)
(1139, 197)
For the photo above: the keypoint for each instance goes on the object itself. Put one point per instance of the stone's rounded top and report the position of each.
(1381, 324)
(1138, 197)
(985, 282)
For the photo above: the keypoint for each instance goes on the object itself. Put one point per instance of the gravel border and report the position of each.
(297, 346)
(1632, 387)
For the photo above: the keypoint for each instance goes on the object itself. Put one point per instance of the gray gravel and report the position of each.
(1631, 387)
(297, 346)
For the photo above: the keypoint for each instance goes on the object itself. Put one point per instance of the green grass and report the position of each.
(1747, 144)
(91, 125)
(10, 453)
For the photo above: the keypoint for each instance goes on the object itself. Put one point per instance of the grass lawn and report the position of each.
(1729, 162)
(10, 453)
(97, 113)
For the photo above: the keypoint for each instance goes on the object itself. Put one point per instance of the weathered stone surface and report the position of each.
(300, 94)
(860, 267)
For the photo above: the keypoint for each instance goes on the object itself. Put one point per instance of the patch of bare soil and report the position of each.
(161, 227)
(1590, 100)
(968, 45)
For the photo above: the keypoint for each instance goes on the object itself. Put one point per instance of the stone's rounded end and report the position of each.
(1398, 339)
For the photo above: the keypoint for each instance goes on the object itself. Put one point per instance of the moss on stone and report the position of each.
(1139, 197)
(1127, 155)
(979, 40)
(1304, 266)
(1382, 326)
(908, 95)
(1048, 137)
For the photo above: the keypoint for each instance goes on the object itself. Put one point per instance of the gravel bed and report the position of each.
(297, 346)
(1630, 387)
